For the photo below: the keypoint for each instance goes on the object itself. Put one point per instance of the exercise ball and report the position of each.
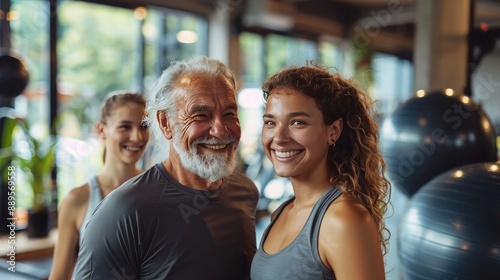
(432, 133)
(14, 76)
(451, 227)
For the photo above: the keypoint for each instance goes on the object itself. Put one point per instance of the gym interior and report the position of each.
(432, 67)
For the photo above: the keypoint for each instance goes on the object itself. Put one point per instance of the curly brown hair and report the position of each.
(356, 164)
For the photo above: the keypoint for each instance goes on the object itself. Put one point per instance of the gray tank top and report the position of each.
(300, 259)
(95, 198)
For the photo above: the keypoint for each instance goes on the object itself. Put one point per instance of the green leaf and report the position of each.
(39, 166)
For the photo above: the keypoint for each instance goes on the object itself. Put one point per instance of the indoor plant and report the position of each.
(35, 158)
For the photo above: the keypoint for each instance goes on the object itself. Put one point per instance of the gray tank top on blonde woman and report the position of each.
(300, 259)
(95, 197)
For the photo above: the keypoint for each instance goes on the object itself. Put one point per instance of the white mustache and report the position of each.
(214, 141)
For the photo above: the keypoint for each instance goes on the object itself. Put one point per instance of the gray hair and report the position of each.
(163, 98)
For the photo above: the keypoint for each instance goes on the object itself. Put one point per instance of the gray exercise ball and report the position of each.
(451, 227)
(428, 135)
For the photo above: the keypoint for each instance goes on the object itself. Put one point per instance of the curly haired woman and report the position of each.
(319, 130)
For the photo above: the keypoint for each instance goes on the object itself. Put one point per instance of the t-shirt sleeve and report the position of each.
(249, 185)
(110, 248)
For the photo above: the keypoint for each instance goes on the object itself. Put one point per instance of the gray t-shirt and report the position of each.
(152, 227)
(300, 259)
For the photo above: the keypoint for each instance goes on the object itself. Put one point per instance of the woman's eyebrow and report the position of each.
(294, 114)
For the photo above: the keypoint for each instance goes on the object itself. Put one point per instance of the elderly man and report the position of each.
(190, 216)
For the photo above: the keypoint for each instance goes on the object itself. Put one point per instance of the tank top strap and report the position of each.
(275, 215)
(319, 211)
(280, 208)
(95, 195)
(95, 198)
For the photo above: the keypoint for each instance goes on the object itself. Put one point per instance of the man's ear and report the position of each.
(100, 131)
(335, 131)
(164, 123)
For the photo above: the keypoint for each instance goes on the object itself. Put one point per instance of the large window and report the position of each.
(30, 40)
(97, 54)
(284, 51)
(331, 55)
(253, 60)
(171, 35)
(393, 81)
(262, 56)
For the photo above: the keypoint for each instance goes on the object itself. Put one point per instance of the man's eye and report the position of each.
(200, 116)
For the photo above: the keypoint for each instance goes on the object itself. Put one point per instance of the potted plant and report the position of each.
(7, 123)
(35, 158)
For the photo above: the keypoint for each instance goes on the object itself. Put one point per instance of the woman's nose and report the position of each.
(282, 135)
(136, 135)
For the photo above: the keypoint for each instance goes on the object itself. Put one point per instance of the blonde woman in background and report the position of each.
(124, 130)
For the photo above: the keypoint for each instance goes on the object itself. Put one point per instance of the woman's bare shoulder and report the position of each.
(349, 241)
(77, 197)
(346, 214)
(73, 207)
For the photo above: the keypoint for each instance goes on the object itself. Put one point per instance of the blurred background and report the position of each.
(70, 54)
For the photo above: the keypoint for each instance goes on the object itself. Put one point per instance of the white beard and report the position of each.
(212, 166)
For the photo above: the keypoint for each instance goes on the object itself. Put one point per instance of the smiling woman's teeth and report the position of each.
(135, 149)
(286, 154)
(215, 147)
